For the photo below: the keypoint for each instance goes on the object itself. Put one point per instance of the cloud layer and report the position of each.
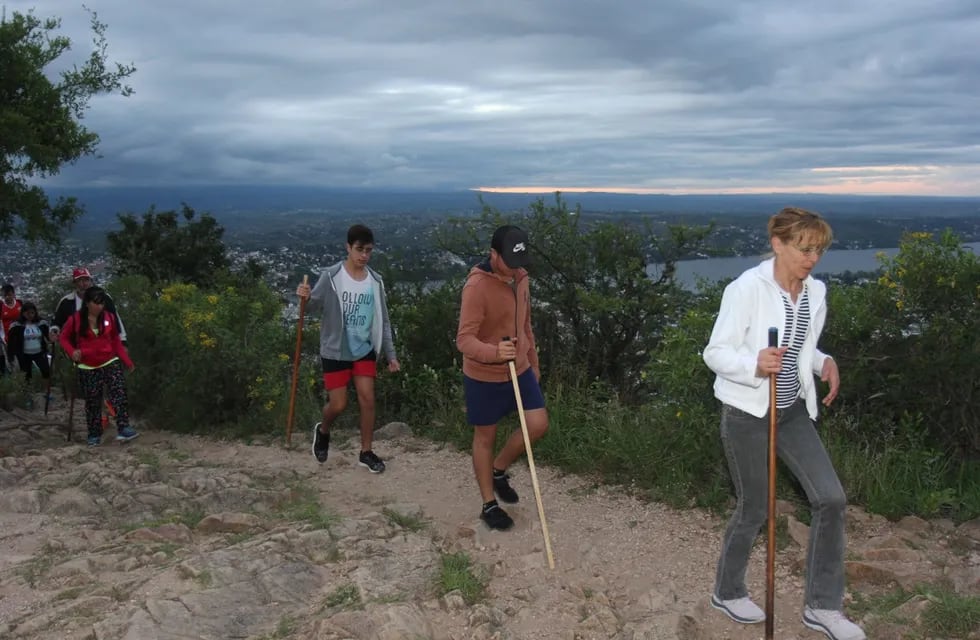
(668, 96)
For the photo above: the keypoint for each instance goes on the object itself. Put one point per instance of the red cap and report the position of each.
(80, 272)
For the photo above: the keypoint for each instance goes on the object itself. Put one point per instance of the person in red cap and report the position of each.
(10, 308)
(71, 304)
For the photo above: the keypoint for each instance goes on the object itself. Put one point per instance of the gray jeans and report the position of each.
(745, 439)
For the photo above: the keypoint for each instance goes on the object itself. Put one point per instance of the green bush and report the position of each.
(637, 411)
(428, 391)
(210, 359)
(598, 314)
(431, 400)
(903, 475)
(907, 345)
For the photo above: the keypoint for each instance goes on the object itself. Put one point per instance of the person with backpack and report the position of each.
(71, 304)
(92, 340)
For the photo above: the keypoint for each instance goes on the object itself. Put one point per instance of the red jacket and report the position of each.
(96, 350)
(9, 315)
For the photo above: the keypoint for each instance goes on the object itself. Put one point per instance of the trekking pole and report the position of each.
(47, 395)
(296, 356)
(71, 403)
(771, 531)
(530, 463)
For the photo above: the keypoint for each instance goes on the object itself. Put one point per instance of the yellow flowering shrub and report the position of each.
(214, 358)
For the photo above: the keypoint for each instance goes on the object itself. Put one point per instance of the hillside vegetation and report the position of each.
(629, 396)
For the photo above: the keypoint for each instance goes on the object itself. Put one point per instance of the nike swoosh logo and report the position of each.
(519, 247)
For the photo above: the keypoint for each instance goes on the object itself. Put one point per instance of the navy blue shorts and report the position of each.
(487, 403)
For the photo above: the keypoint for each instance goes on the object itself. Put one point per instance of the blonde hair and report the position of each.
(793, 224)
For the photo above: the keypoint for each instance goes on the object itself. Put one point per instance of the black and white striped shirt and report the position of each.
(794, 332)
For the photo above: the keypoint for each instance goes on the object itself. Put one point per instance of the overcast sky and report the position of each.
(676, 96)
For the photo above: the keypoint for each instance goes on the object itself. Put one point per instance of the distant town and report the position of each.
(298, 236)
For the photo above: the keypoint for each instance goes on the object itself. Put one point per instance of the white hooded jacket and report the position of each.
(750, 305)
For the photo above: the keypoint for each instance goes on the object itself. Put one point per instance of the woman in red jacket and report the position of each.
(91, 339)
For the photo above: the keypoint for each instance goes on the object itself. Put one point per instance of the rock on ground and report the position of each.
(176, 537)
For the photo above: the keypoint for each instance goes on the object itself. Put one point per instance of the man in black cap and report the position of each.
(495, 328)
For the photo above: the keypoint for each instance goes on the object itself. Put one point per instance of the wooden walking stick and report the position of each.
(530, 463)
(771, 531)
(296, 356)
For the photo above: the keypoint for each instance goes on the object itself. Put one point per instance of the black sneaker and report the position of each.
(321, 443)
(371, 461)
(502, 488)
(495, 517)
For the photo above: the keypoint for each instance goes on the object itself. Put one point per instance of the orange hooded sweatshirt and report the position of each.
(492, 308)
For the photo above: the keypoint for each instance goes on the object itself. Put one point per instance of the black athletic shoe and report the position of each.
(371, 461)
(502, 488)
(495, 517)
(321, 443)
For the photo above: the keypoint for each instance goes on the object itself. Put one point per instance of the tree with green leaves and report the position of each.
(164, 250)
(910, 342)
(40, 120)
(606, 305)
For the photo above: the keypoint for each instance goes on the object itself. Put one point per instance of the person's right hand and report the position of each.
(76, 355)
(770, 361)
(507, 350)
(303, 290)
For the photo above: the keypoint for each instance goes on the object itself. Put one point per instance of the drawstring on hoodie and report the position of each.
(513, 288)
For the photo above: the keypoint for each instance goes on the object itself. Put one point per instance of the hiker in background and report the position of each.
(354, 333)
(779, 292)
(28, 341)
(71, 304)
(495, 328)
(92, 341)
(10, 308)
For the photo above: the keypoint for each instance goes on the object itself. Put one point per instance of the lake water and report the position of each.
(834, 262)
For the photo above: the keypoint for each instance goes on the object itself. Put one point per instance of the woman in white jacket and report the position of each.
(780, 293)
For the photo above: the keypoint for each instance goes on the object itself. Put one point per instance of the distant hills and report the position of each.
(246, 203)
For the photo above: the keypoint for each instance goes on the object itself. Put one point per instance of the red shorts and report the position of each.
(338, 373)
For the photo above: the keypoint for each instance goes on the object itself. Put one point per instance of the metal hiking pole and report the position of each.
(530, 462)
(47, 395)
(296, 357)
(771, 503)
(71, 402)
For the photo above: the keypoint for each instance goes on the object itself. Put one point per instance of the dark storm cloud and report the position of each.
(671, 95)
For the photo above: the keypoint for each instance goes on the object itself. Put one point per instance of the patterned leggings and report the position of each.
(92, 382)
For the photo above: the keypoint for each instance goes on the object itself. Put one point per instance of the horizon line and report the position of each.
(537, 190)
(738, 191)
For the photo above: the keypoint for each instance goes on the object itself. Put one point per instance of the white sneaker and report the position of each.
(740, 610)
(833, 623)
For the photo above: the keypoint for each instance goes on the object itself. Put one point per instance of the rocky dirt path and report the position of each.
(180, 537)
